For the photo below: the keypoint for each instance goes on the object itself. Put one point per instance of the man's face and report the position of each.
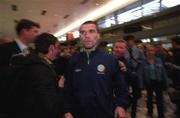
(159, 49)
(174, 45)
(150, 51)
(31, 33)
(130, 43)
(119, 49)
(89, 35)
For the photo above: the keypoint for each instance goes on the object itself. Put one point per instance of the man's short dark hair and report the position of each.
(176, 39)
(43, 41)
(91, 22)
(25, 24)
(103, 43)
(128, 37)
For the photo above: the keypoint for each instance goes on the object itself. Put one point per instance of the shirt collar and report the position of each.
(45, 58)
(21, 45)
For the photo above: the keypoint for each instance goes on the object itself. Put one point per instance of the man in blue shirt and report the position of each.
(94, 87)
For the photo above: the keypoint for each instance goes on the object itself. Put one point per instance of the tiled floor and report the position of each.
(142, 110)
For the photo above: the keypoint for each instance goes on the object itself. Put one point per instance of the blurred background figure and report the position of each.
(175, 70)
(119, 50)
(141, 46)
(155, 78)
(161, 53)
(135, 57)
(103, 46)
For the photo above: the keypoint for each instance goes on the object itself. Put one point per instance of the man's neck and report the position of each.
(150, 57)
(23, 40)
(90, 49)
(87, 50)
(46, 57)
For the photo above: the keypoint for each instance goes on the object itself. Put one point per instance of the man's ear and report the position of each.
(98, 36)
(51, 48)
(23, 31)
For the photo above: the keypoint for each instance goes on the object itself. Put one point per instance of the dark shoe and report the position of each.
(149, 116)
(133, 116)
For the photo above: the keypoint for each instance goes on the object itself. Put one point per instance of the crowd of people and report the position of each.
(42, 78)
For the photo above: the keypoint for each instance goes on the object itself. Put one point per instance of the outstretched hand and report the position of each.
(119, 112)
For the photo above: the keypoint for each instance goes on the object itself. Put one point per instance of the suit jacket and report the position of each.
(6, 52)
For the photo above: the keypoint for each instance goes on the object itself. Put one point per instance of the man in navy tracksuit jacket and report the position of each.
(94, 87)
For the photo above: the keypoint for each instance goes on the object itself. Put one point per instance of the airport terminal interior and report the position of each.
(150, 22)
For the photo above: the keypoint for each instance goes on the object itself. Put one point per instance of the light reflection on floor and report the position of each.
(142, 110)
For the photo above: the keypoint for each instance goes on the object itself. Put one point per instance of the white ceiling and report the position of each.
(52, 21)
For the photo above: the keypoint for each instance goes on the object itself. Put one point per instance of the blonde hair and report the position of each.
(119, 41)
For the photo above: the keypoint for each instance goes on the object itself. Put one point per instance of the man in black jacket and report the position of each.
(34, 92)
(176, 70)
(94, 87)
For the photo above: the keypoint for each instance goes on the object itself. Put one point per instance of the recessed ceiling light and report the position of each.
(84, 2)
(55, 15)
(43, 12)
(66, 16)
(14, 8)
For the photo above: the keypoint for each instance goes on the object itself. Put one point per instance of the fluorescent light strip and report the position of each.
(104, 10)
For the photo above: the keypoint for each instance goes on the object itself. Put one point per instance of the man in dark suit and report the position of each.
(26, 32)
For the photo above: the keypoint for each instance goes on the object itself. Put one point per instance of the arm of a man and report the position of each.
(121, 93)
(119, 112)
(68, 92)
(44, 87)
